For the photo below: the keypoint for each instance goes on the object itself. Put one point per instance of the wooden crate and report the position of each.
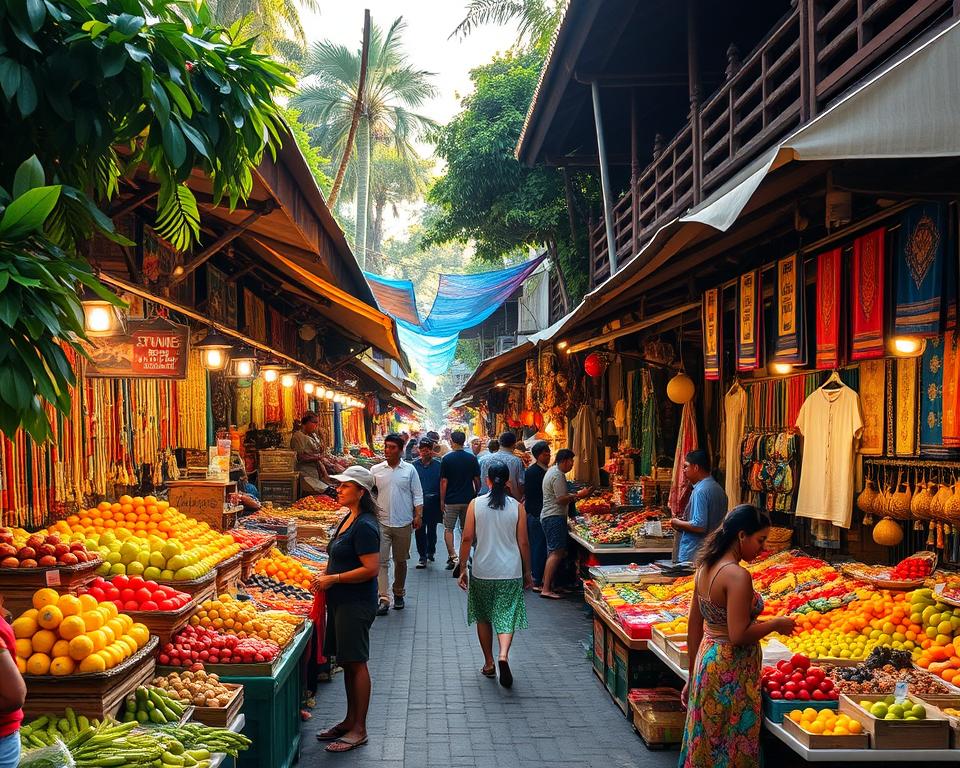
(276, 461)
(95, 694)
(165, 624)
(819, 741)
(221, 717)
(205, 585)
(945, 701)
(249, 557)
(677, 654)
(280, 488)
(17, 585)
(228, 573)
(932, 733)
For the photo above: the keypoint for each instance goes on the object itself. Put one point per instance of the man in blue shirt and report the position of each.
(459, 481)
(705, 510)
(428, 469)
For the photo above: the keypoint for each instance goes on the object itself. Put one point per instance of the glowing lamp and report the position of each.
(680, 389)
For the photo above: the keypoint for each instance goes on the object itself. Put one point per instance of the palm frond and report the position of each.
(178, 219)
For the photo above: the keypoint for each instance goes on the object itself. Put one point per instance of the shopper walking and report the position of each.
(428, 470)
(508, 441)
(533, 503)
(459, 483)
(400, 499)
(500, 570)
(476, 445)
(723, 695)
(411, 446)
(705, 509)
(553, 517)
(13, 693)
(493, 448)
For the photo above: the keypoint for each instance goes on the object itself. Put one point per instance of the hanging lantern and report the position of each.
(216, 350)
(243, 364)
(680, 389)
(101, 318)
(528, 418)
(595, 364)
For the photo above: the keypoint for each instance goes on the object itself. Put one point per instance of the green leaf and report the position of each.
(161, 104)
(113, 59)
(129, 25)
(173, 144)
(9, 307)
(26, 94)
(9, 77)
(137, 54)
(36, 12)
(194, 137)
(29, 176)
(179, 97)
(28, 212)
(95, 27)
(23, 36)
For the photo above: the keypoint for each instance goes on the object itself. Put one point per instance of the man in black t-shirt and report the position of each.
(533, 503)
(459, 483)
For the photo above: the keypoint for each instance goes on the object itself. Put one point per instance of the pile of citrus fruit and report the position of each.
(64, 634)
(241, 618)
(285, 569)
(825, 722)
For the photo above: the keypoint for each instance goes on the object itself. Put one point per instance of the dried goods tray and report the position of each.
(165, 624)
(36, 578)
(220, 717)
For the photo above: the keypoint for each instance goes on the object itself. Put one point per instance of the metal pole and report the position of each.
(604, 180)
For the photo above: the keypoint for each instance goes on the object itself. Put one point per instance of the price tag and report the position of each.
(938, 589)
(900, 691)
(53, 578)
(653, 528)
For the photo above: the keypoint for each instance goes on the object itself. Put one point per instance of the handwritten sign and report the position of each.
(149, 349)
(200, 502)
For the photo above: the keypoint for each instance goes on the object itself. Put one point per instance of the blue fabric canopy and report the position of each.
(462, 302)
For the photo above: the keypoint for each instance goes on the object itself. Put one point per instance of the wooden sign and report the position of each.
(280, 488)
(200, 500)
(149, 349)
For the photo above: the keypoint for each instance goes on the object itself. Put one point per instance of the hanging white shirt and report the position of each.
(831, 423)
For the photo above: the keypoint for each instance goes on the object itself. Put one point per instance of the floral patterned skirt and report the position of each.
(723, 709)
(498, 602)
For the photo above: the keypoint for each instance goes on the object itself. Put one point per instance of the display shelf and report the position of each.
(598, 609)
(218, 758)
(674, 667)
(595, 550)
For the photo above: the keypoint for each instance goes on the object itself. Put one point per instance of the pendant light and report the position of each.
(243, 364)
(680, 389)
(101, 318)
(215, 348)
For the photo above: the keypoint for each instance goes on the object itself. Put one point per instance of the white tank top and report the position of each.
(498, 554)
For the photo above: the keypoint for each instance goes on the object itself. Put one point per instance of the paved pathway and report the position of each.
(432, 708)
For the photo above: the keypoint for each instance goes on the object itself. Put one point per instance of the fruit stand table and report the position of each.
(591, 554)
(221, 760)
(272, 708)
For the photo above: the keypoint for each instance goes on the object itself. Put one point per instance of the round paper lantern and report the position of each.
(538, 420)
(527, 418)
(594, 365)
(680, 389)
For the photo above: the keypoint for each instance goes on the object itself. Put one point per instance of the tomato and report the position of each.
(790, 687)
(120, 581)
(98, 594)
(800, 661)
(149, 605)
(776, 695)
(797, 677)
(811, 682)
(818, 695)
(803, 694)
(135, 582)
(790, 696)
(826, 685)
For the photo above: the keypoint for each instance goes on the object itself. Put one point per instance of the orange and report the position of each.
(80, 647)
(63, 665)
(43, 641)
(93, 663)
(44, 597)
(140, 634)
(38, 664)
(103, 506)
(60, 648)
(137, 501)
(130, 644)
(99, 639)
(69, 605)
(50, 617)
(88, 603)
(24, 648)
(21, 665)
(125, 499)
(71, 627)
(92, 620)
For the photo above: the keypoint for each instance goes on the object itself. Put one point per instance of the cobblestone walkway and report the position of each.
(432, 708)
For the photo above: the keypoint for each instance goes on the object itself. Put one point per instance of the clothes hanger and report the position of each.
(833, 382)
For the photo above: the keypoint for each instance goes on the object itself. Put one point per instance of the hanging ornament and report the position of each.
(680, 389)
(595, 364)
(527, 418)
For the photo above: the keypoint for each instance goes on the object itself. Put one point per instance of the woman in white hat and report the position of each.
(350, 582)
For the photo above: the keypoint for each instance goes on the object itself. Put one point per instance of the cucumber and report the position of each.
(157, 716)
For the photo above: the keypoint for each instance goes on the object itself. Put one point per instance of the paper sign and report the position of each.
(53, 578)
(938, 589)
(653, 528)
(900, 691)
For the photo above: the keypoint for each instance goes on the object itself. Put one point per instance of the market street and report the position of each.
(431, 707)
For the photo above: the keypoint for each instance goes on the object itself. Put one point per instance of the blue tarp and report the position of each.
(462, 302)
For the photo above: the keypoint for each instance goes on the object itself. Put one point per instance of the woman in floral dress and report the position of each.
(723, 695)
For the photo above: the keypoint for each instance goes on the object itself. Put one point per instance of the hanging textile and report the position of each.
(242, 403)
(951, 390)
(789, 345)
(931, 397)
(585, 438)
(749, 321)
(680, 487)
(257, 404)
(712, 332)
(192, 403)
(272, 404)
(874, 402)
(254, 314)
(919, 271)
(867, 300)
(831, 424)
(649, 424)
(734, 422)
(337, 430)
(906, 416)
(829, 267)
(288, 408)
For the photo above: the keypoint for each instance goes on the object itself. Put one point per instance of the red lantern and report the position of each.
(527, 418)
(594, 365)
(538, 421)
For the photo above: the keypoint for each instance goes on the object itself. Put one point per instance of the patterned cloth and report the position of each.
(723, 706)
(498, 602)
(920, 266)
(867, 293)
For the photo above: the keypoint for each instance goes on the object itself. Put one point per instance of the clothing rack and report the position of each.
(910, 462)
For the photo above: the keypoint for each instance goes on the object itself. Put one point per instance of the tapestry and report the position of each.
(873, 404)
(931, 397)
(254, 314)
(829, 315)
(272, 405)
(919, 271)
(712, 328)
(257, 409)
(243, 402)
(867, 299)
(221, 297)
(789, 343)
(906, 416)
(276, 323)
(749, 328)
(951, 372)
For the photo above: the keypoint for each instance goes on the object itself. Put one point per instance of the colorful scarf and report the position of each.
(712, 330)
(829, 265)
(749, 318)
(789, 338)
(867, 295)
(680, 487)
(920, 266)
(951, 390)
(906, 416)
(873, 403)
(931, 397)
(254, 316)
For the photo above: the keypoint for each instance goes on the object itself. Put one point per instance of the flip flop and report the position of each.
(506, 676)
(551, 597)
(538, 590)
(491, 672)
(332, 734)
(350, 745)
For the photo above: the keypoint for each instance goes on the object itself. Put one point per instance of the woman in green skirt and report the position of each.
(500, 572)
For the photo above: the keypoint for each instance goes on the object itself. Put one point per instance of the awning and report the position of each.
(354, 316)
(909, 108)
(384, 380)
(407, 402)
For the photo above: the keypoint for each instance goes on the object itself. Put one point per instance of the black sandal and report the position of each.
(506, 676)
(488, 671)
(332, 734)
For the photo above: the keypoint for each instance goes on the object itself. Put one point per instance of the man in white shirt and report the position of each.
(553, 517)
(399, 496)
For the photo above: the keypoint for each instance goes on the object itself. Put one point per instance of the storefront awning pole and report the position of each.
(604, 179)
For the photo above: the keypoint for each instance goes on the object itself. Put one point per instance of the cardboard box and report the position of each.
(599, 646)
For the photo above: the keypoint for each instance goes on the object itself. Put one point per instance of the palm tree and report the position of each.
(393, 89)
(276, 23)
(536, 20)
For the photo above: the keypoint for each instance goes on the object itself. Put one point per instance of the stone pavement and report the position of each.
(432, 708)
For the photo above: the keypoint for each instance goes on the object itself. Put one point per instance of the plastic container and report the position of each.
(776, 709)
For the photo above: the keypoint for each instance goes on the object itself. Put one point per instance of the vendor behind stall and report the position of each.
(247, 493)
(313, 475)
(705, 510)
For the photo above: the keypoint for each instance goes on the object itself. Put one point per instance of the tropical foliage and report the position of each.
(88, 90)
(536, 20)
(392, 91)
(276, 23)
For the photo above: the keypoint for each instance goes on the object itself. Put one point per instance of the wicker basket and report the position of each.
(778, 539)
(277, 461)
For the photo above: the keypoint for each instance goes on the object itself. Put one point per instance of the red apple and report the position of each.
(6, 535)
(35, 541)
(69, 559)
(77, 546)
(7, 550)
(46, 549)
(47, 561)
(60, 549)
(27, 553)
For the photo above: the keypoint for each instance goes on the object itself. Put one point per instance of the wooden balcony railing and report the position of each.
(817, 51)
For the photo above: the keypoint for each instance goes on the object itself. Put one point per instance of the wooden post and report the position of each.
(634, 174)
(808, 62)
(693, 85)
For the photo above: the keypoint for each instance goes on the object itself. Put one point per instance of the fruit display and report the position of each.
(915, 568)
(285, 568)
(241, 618)
(598, 504)
(248, 539)
(272, 593)
(677, 626)
(134, 593)
(41, 550)
(613, 529)
(912, 568)
(197, 688)
(317, 503)
(67, 634)
(193, 645)
(797, 680)
(825, 722)
(152, 705)
(890, 709)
